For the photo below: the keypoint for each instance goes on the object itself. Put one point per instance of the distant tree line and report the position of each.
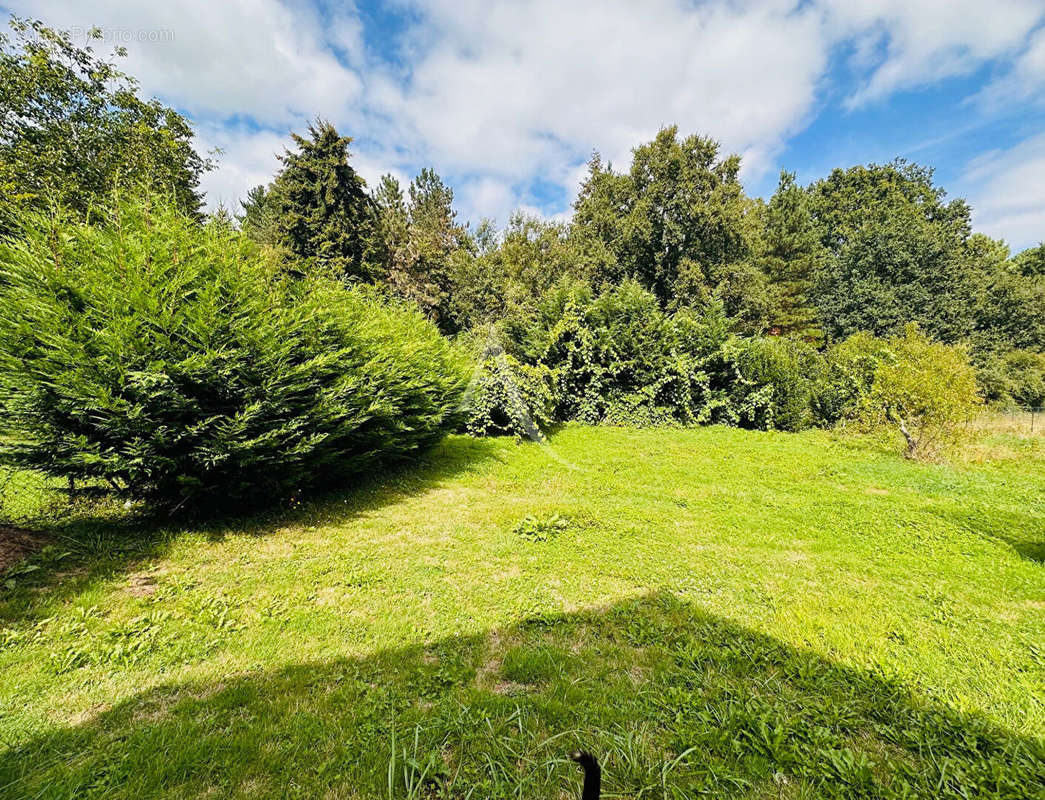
(867, 249)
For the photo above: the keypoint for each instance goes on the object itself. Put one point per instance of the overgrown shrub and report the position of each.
(842, 386)
(507, 398)
(926, 389)
(618, 358)
(770, 389)
(171, 362)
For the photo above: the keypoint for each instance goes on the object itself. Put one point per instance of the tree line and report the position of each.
(669, 297)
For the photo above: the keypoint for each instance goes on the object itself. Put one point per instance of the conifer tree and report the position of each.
(257, 219)
(790, 260)
(392, 230)
(419, 241)
(320, 210)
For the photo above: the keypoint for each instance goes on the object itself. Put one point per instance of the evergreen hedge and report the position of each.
(174, 363)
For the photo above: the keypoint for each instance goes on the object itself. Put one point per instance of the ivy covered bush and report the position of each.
(173, 363)
(772, 383)
(617, 357)
(507, 398)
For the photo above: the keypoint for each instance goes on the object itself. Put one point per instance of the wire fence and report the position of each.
(1025, 420)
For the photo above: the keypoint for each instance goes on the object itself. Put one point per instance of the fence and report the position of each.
(1026, 420)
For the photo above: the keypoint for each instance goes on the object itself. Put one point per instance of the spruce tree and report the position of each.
(320, 210)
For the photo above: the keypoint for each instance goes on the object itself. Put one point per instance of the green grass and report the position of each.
(711, 611)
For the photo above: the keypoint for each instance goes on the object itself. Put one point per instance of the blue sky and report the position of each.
(508, 99)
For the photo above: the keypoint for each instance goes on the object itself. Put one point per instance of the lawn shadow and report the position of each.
(87, 548)
(674, 701)
(1022, 531)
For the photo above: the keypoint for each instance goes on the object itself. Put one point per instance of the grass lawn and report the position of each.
(719, 612)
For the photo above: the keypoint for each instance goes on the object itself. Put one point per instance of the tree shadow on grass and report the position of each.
(1023, 531)
(675, 702)
(87, 549)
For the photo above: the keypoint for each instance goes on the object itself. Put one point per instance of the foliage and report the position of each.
(171, 362)
(926, 389)
(617, 357)
(771, 384)
(258, 218)
(1014, 378)
(792, 259)
(421, 242)
(72, 128)
(896, 253)
(508, 398)
(317, 209)
(511, 273)
(842, 389)
(1031, 262)
(1010, 298)
(674, 222)
(540, 529)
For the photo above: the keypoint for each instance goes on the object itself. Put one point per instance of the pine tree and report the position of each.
(320, 210)
(792, 255)
(392, 230)
(419, 240)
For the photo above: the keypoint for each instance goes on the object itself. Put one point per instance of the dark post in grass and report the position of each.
(592, 774)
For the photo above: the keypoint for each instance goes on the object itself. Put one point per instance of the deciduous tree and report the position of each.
(73, 128)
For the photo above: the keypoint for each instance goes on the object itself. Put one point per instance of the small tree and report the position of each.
(926, 389)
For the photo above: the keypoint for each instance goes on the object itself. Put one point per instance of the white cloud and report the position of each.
(1007, 191)
(512, 89)
(927, 40)
(488, 198)
(1023, 83)
(504, 96)
(248, 158)
(255, 58)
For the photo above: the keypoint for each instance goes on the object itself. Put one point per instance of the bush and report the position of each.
(771, 385)
(171, 362)
(842, 386)
(1014, 378)
(926, 389)
(618, 358)
(507, 398)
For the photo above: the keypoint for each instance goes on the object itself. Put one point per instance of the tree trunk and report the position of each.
(912, 443)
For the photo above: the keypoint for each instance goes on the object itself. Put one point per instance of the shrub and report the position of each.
(619, 358)
(1014, 378)
(771, 384)
(507, 398)
(170, 361)
(843, 384)
(926, 389)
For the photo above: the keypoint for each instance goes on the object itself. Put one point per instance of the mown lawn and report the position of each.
(725, 613)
